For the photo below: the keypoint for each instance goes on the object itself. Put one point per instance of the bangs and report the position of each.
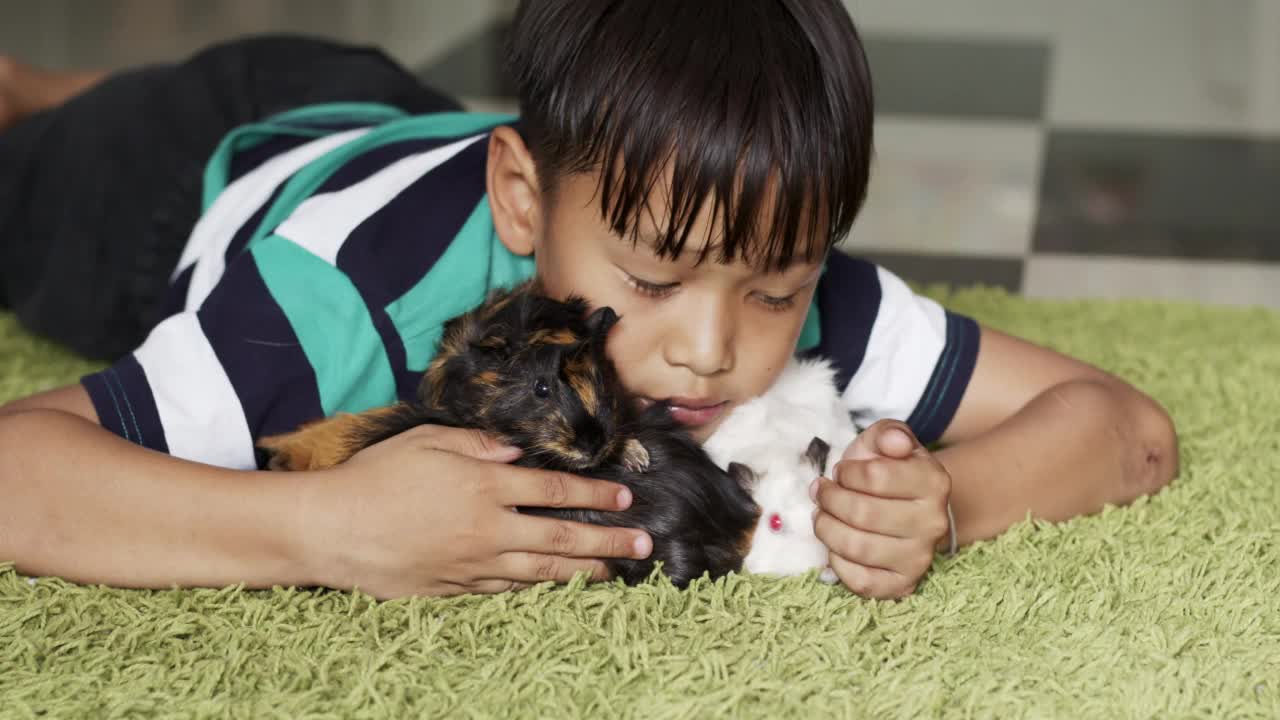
(759, 110)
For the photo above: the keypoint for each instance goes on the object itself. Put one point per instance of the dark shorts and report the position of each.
(98, 196)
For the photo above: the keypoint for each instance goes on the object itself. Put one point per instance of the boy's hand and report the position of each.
(885, 512)
(430, 512)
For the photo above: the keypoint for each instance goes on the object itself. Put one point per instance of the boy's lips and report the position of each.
(692, 412)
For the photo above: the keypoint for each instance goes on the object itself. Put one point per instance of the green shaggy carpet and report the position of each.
(1169, 608)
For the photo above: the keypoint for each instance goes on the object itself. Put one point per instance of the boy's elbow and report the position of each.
(1157, 462)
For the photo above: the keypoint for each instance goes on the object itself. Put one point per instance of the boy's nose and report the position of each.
(702, 341)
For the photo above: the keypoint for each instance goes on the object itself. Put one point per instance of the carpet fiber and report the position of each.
(1168, 608)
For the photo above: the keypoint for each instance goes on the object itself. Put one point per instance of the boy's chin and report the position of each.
(702, 433)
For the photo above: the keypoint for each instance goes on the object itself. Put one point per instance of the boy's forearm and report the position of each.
(85, 505)
(1068, 452)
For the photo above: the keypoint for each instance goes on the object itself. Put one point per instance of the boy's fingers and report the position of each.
(883, 516)
(472, 443)
(493, 587)
(870, 582)
(553, 536)
(918, 477)
(871, 550)
(549, 489)
(885, 438)
(536, 568)
(882, 477)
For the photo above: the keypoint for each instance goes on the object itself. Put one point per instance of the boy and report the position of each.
(689, 164)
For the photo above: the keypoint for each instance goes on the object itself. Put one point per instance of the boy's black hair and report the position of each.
(759, 104)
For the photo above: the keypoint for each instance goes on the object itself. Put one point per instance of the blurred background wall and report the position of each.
(1114, 148)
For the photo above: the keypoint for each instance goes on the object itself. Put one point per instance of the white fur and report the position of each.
(770, 434)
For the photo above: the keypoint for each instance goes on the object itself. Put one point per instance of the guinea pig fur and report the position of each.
(533, 371)
(782, 440)
(699, 516)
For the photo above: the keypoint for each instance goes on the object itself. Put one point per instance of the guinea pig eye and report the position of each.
(775, 522)
(541, 388)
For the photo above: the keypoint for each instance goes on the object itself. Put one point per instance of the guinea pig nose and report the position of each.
(589, 436)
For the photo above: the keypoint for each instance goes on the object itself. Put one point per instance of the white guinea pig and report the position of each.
(795, 431)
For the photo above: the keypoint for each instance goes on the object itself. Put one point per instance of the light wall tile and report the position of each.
(1170, 65)
(1225, 283)
(951, 187)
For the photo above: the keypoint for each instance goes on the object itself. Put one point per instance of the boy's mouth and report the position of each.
(692, 412)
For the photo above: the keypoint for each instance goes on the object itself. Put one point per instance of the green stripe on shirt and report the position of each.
(243, 138)
(332, 323)
(307, 180)
(327, 313)
(475, 263)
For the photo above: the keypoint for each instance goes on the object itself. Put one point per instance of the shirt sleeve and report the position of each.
(205, 383)
(899, 355)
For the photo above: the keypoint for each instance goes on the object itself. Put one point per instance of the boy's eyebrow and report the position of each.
(649, 240)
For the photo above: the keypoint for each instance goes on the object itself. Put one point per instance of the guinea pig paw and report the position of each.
(634, 456)
(283, 459)
(828, 575)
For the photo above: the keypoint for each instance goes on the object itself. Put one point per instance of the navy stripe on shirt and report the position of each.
(406, 381)
(401, 230)
(398, 231)
(253, 341)
(175, 298)
(244, 233)
(122, 398)
(246, 161)
(941, 397)
(369, 162)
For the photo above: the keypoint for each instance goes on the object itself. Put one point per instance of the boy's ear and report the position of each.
(511, 180)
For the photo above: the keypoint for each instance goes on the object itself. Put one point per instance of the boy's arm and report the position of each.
(1040, 432)
(422, 513)
(84, 504)
(1023, 429)
(1035, 432)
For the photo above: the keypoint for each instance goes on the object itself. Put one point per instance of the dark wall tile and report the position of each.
(992, 79)
(954, 270)
(1160, 195)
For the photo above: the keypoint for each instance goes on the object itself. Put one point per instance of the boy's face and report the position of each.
(701, 337)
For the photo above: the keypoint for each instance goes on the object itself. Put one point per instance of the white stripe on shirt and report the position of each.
(908, 337)
(207, 246)
(322, 223)
(198, 407)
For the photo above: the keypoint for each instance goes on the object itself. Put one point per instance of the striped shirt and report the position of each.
(337, 240)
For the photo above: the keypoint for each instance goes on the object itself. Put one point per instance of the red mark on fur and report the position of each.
(775, 522)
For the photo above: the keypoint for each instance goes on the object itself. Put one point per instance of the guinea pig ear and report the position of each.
(817, 453)
(745, 476)
(492, 344)
(601, 321)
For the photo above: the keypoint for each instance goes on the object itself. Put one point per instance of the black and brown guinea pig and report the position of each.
(533, 371)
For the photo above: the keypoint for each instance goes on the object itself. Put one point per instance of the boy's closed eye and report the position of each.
(652, 289)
